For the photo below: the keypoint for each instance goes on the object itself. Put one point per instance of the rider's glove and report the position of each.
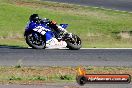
(62, 29)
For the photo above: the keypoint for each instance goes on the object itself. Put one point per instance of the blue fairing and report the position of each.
(33, 25)
(49, 34)
(64, 25)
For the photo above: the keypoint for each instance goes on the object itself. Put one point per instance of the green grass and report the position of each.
(93, 25)
(40, 75)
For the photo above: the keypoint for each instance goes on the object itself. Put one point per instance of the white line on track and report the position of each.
(91, 48)
(106, 48)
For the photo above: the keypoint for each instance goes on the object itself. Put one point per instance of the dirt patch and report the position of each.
(21, 3)
(41, 4)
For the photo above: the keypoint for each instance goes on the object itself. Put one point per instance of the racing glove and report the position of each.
(62, 29)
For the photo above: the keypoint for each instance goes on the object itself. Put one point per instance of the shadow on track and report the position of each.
(19, 47)
(13, 47)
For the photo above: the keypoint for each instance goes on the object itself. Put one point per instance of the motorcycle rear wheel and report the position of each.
(36, 43)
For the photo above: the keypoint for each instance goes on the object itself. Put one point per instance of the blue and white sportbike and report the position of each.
(47, 34)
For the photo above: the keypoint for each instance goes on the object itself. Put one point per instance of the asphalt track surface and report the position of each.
(125, 5)
(10, 55)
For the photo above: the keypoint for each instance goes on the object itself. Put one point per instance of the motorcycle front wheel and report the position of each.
(74, 42)
(35, 40)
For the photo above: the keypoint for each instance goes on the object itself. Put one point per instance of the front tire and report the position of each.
(35, 40)
(74, 43)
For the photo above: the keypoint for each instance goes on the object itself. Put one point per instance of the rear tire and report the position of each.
(36, 44)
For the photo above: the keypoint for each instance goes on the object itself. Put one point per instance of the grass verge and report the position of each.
(39, 75)
(95, 26)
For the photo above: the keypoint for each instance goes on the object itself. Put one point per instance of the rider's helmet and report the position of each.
(35, 18)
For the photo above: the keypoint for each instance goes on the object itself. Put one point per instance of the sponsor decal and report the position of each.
(41, 30)
(83, 78)
(54, 43)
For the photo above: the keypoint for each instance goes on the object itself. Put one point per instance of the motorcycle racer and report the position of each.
(43, 33)
(54, 27)
(52, 24)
